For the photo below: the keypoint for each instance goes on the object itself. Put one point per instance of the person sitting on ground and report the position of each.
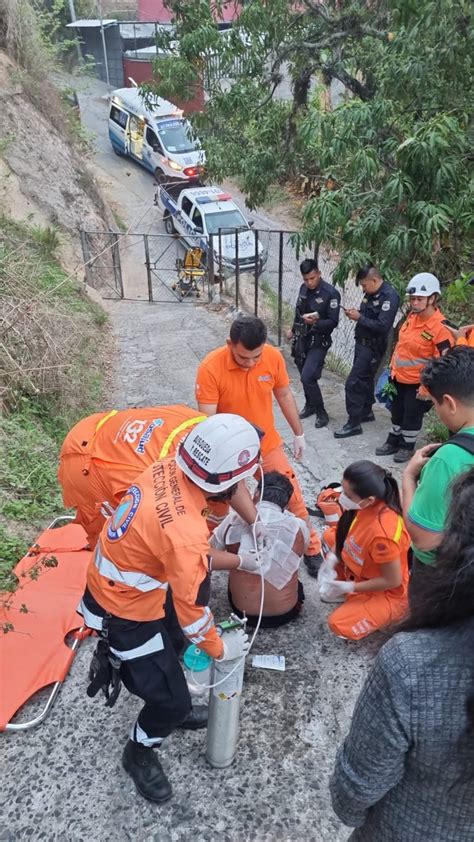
(427, 479)
(406, 769)
(366, 564)
(288, 536)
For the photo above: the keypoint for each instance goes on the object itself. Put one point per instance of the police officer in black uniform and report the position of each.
(316, 316)
(374, 321)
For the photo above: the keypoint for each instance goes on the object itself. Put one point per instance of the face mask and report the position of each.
(347, 503)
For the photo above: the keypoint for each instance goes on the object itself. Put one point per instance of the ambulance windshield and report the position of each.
(176, 136)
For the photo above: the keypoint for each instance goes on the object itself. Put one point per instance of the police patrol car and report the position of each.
(198, 212)
(155, 135)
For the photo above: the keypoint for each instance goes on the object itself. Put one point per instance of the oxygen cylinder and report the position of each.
(224, 704)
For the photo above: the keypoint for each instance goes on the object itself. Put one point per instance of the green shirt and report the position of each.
(431, 500)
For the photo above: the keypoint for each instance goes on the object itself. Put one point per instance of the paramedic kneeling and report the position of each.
(156, 540)
(288, 536)
(367, 568)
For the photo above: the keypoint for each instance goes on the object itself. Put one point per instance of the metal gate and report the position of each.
(139, 267)
(263, 278)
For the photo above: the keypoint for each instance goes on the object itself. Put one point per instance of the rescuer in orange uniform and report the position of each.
(424, 335)
(158, 539)
(243, 376)
(366, 564)
(104, 453)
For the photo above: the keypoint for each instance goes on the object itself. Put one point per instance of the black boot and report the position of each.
(404, 453)
(322, 418)
(196, 718)
(313, 563)
(307, 411)
(145, 769)
(349, 429)
(390, 446)
(369, 416)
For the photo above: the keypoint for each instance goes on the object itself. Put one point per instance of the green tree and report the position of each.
(386, 171)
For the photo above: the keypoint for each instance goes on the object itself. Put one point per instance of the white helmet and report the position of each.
(424, 284)
(219, 452)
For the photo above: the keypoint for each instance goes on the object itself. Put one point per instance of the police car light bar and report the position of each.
(203, 200)
(223, 197)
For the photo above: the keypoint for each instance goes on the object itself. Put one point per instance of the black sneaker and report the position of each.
(403, 454)
(313, 563)
(322, 419)
(387, 448)
(347, 430)
(368, 417)
(307, 411)
(146, 771)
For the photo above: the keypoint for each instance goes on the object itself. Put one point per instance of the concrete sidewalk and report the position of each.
(64, 781)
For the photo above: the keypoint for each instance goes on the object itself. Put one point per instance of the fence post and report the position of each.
(221, 277)
(148, 269)
(237, 269)
(117, 264)
(87, 257)
(210, 268)
(257, 272)
(280, 286)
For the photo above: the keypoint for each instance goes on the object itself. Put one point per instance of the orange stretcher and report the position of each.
(35, 654)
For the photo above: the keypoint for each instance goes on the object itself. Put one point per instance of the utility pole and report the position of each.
(72, 13)
(104, 46)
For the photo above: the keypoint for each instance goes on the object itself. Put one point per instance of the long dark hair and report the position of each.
(367, 479)
(451, 595)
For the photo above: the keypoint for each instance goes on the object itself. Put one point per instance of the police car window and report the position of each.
(118, 116)
(227, 219)
(151, 138)
(176, 136)
(187, 206)
(197, 219)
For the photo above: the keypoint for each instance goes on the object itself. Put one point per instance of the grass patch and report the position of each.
(433, 429)
(53, 340)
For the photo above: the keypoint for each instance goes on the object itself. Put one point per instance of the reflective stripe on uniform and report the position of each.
(332, 518)
(155, 644)
(177, 430)
(399, 530)
(138, 735)
(132, 578)
(93, 621)
(196, 631)
(399, 363)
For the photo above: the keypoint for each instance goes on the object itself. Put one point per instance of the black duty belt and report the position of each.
(373, 344)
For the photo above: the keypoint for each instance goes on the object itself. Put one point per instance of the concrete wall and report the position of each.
(142, 71)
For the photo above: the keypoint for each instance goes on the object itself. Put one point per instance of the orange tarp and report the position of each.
(35, 654)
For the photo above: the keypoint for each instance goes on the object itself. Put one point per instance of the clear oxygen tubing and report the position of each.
(260, 611)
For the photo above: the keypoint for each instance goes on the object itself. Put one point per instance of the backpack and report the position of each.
(464, 440)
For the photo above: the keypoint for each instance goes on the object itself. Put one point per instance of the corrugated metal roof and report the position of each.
(90, 23)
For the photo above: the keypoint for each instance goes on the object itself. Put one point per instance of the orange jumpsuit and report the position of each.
(157, 539)
(419, 341)
(222, 382)
(377, 536)
(155, 544)
(104, 453)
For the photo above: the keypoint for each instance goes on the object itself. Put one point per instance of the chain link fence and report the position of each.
(258, 270)
(269, 286)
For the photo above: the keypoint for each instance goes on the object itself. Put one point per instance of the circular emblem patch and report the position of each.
(124, 514)
(243, 458)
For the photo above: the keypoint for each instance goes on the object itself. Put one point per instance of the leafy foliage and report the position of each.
(386, 169)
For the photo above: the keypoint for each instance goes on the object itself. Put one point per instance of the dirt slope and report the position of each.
(43, 179)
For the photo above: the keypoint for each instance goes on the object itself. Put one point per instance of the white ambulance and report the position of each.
(156, 135)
